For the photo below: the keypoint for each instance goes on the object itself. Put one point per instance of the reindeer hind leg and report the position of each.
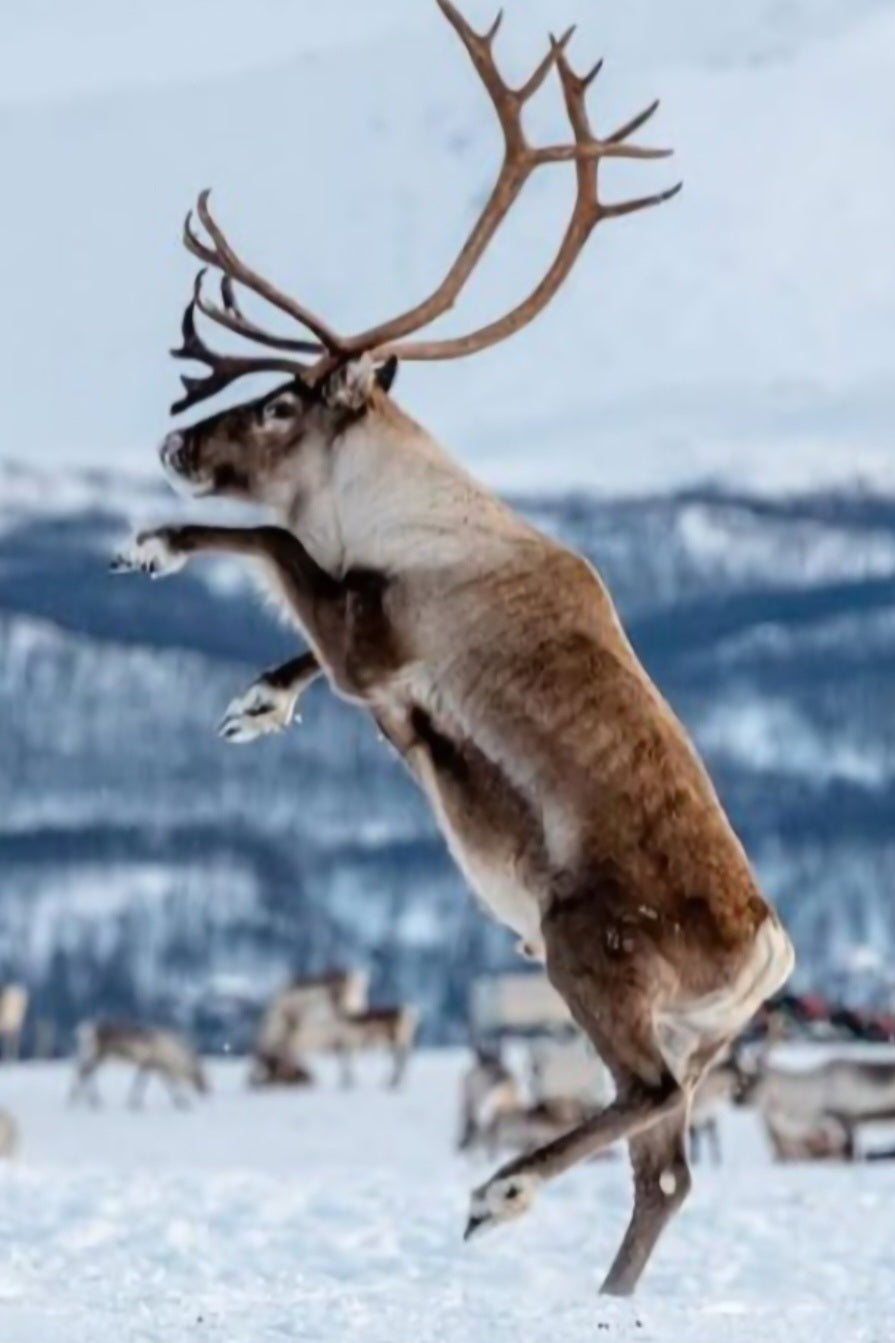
(661, 1184)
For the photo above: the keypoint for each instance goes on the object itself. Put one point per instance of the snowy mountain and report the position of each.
(147, 866)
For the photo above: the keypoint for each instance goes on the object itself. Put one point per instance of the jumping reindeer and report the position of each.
(151, 1050)
(493, 660)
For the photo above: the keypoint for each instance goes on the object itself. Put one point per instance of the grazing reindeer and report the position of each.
(493, 660)
(826, 1139)
(840, 1093)
(163, 1052)
(488, 1090)
(391, 1028)
(495, 1116)
(529, 1127)
(9, 1135)
(13, 1010)
(306, 1005)
(320, 997)
(717, 1087)
(568, 1070)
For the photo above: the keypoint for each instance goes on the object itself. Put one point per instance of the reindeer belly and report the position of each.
(497, 886)
(490, 831)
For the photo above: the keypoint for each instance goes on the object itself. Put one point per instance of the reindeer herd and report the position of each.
(329, 1015)
(826, 1110)
(536, 1080)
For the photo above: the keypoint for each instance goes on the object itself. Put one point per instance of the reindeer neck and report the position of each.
(403, 503)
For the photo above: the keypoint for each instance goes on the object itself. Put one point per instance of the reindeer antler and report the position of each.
(519, 162)
(225, 368)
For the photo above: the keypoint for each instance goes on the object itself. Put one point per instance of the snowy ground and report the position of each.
(333, 1218)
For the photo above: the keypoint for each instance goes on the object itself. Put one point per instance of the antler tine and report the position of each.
(520, 160)
(495, 28)
(232, 317)
(224, 368)
(587, 152)
(534, 81)
(224, 258)
(634, 124)
(619, 208)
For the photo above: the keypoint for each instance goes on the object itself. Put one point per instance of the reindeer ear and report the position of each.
(351, 385)
(386, 373)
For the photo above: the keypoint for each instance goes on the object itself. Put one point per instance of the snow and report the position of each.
(742, 332)
(333, 1217)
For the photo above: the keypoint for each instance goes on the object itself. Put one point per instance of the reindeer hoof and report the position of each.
(149, 553)
(262, 710)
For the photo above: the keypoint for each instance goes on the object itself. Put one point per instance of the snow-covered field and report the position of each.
(330, 1218)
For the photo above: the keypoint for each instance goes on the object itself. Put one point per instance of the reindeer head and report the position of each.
(286, 439)
(264, 450)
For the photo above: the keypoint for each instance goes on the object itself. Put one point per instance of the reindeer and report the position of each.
(494, 1114)
(9, 1135)
(832, 1098)
(13, 1010)
(305, 999)
(493, 660)
(163, 1052)
(391, 1028)
(567, 1069)
(717, 1087)
(525, 1128)
(826, 1139)
(488, 1090)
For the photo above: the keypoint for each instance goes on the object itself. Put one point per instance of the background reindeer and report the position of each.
(717, 1088)
(305, 1000)
(9, 1135)
(821, 1106)
(389, 1028)
(494, 661)
(164, 1053)
(13, 1010)
(488, 1090)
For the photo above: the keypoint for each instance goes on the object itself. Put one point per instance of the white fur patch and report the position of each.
(263, 709)
(351, 386)
(685, 1028)
(150, 553)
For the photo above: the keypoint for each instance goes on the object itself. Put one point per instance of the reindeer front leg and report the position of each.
(315, 599)
(269, 704)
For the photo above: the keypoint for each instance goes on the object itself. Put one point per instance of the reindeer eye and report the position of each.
(283, 409)
(513, 1191)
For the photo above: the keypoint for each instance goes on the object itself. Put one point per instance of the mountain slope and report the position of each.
(149, 867)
